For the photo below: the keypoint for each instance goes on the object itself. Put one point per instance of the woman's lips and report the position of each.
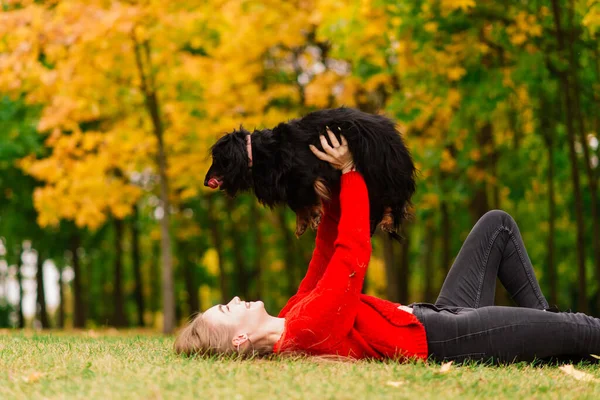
(214, 183)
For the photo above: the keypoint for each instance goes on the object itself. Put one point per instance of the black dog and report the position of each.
(279, 167)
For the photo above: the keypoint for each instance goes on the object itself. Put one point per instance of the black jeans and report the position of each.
(464, 324)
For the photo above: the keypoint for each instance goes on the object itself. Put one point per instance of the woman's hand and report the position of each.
(338, 156)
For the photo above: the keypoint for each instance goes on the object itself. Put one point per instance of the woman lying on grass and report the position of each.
(330, 316)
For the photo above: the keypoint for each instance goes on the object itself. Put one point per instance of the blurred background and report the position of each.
(108, 110)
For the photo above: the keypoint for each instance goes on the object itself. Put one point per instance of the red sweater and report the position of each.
(329, 315)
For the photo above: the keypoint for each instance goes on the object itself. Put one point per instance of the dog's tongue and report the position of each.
(214, 183)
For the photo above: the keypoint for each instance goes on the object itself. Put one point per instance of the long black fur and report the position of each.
(284, 169)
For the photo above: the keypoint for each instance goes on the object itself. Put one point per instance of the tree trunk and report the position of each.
(155, 299)
(592, 179)
(240, 268)
(429, 274)
(404, 270)
(566, 92)
(591, 176)
(258, 249)
(119, 319)
(79, 306)
(218, 244)
(189, 277)
(446, 244)
(41, 293)
(289, 249)
(148, 89)
(136, 261)
(20, 282)
(391, 268)
(61, 295)
(550, 264)
(479, 202)
(597, 102)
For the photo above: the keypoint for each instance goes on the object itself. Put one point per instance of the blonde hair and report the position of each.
(206, 339)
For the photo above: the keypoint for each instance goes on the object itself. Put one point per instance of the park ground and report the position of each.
(132, 365)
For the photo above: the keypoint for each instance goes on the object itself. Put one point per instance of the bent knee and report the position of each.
(500, 216)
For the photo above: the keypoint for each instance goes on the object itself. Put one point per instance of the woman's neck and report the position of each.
(273, 330)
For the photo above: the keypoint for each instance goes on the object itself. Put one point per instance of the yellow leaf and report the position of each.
(395, 383)
(455, 73)
(445, 368)
(579, 375)
(33, 377)
(431, 27)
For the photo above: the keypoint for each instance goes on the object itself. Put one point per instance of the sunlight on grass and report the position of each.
(133, 365)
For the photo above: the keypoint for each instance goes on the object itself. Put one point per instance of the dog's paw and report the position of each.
(301, 225)
(315, 218)
(387, 223)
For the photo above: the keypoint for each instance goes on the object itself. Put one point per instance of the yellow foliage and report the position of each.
(476, 174)
(276, 266)
(430, 201)
(591, 19)
(376, 277)
(211, 261)
(448, 163)
(451, 5)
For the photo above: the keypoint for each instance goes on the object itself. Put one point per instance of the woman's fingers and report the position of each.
(344, 141)
(333, 139)
(325, 145)
(320, 155)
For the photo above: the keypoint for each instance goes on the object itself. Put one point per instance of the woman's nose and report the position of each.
(235, 300)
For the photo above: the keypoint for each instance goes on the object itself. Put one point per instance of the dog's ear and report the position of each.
(230, 158)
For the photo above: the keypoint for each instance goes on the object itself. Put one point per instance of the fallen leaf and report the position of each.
(394, 383)
(91, 333)
(33, 377)
(446, 367)
(579, 375)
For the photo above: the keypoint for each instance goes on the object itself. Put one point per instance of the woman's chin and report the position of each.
(257, 304)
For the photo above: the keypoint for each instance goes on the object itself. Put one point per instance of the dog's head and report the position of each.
(230, 170)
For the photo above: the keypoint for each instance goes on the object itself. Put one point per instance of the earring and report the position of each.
(244, 337)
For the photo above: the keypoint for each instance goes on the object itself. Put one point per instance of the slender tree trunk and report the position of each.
(20, 282)
(148, 88)
(570, 117)
(591, 176)
(218, 244)
(391, 268)
(551, 229)
(240, 267)
(446, 239)
(549, 140)
(597, 103)
(189, 276)
(155, 299)
(61, 295)
(79, 306)
(119, 319)
(404, 270)
(430, 230)
(41, 293)
(136, 261)
(479, 202)
(289, 249)
(258, 249)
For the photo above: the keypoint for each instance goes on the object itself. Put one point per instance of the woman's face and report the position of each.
(241, 316)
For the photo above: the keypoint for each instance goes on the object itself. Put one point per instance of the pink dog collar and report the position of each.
(249, 149)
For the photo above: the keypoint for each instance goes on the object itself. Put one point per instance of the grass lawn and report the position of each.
(104, 365)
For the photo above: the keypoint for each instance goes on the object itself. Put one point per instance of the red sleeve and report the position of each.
(330, 309)
(324, 246)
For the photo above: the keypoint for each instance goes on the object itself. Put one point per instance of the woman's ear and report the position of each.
(239, 340)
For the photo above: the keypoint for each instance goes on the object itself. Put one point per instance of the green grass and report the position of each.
(132, 365)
